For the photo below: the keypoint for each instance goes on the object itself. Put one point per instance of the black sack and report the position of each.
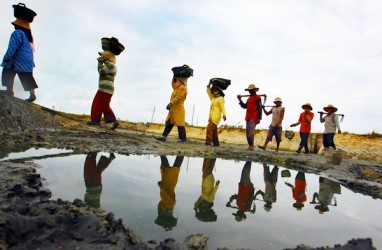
(220, 83)
(115, 46)
(183, 71)
(22, 12)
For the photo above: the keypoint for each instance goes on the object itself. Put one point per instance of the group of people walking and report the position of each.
(18, 60)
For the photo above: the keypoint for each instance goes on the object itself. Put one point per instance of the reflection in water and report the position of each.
(93, 178)
(298, 190)
(167, 186)
(325, 195)
(203, 206)
(245, 196)
(274, 229)
(270, 180)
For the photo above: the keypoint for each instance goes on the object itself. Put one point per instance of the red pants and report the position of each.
(101, 105)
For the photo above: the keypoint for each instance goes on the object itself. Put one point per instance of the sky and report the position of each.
(322, 52)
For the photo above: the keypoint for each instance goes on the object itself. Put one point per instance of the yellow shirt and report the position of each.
(217, 108)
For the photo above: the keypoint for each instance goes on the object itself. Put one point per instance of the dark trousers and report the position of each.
(26, 79)
(181, 130)
(328, 140)
(304, 142)
(101, 105)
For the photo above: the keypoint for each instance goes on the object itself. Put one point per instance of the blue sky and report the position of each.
(322, 52)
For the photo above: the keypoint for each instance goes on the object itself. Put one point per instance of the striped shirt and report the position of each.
(107, 72)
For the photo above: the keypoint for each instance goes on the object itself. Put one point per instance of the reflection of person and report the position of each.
(167, 192)
(275, 129)
(253, 113)
(217, 110)
(18, 58)
(298, 190)
(325, 195)
(270, 193)
(331, 126)
(92, 177)
(203, 206)
(305, 120)
(245, 196)
(177, 114)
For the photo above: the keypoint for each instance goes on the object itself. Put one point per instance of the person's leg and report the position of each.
(266, 172)
(215, 136)
(330, 138)
(178, 161)
(274, 174)
(250, 133)
(167, 129)
(325, 141)
(164, 162)
(97, 109)
(29, 84)
(278, 133)
(300, 146)
(245, 174)
(109, 115)
(268, 139)
(209, 133)
(7, 80)
(304, 140)
(182, 134)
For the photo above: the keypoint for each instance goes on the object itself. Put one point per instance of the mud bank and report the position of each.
(29, 218)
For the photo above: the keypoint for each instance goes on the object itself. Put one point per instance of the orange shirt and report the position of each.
(244, 197)
(305, 125)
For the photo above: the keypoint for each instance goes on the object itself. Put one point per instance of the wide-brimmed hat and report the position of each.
(330, 106)
(307, 105)
(277, 99)
(22, 23)
(252, 87)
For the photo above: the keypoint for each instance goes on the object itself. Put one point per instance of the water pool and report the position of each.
(254, 206)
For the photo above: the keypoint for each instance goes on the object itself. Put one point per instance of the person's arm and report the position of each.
(241, 103)
(209, 92)
(180, 95)
(309, 117)
(232, 198)
(222, 108)
(337, 123)
(259, 110)
(14, 44)
(267, 112)
(259, 193)
(322, 119)
(315, 196)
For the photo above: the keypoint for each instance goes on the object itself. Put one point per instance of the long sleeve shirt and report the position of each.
(19, 55)
(217, 107)
(107, 72)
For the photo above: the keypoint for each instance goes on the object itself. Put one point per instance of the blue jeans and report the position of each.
(328, 140)
(304, 141)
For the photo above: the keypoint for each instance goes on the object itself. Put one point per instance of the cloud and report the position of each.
(322, 52)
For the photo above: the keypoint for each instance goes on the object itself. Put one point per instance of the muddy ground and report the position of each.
(25, 202)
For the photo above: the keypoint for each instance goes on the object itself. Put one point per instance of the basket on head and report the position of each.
(22, 12)
(183, 71)
(221, 83)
